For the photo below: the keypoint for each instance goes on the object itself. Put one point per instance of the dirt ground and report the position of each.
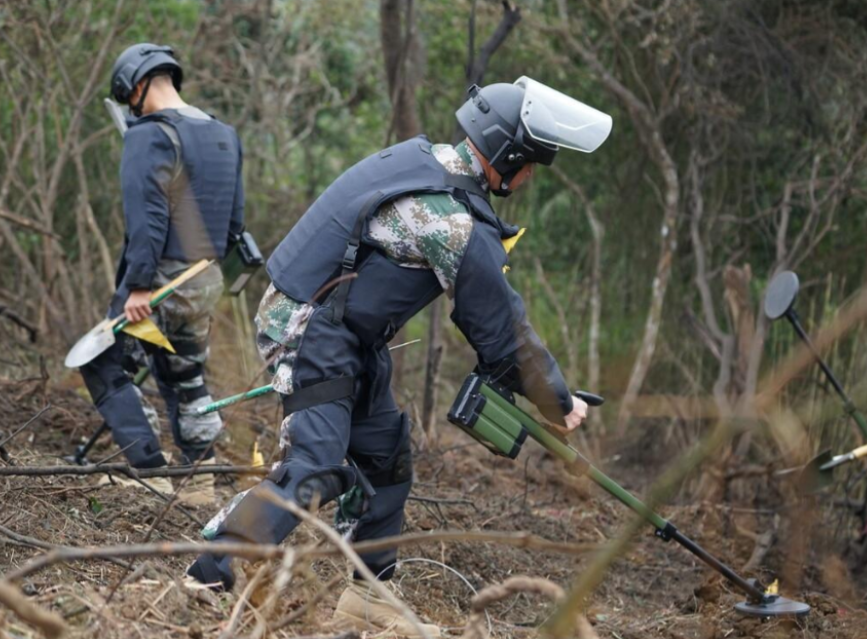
(658, 590)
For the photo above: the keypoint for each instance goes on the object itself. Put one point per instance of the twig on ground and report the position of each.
(243, 600)
(476, 627)
(360, 567)
(48, 622)
(26, 424)
(300, 612)
(446, 502)
(126, 469)
(44, 545)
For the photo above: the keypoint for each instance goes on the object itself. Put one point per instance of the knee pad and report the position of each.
(397, 468)
(324, 483)
(176, 369)
(102, 383)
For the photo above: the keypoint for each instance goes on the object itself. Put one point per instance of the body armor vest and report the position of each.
(202, 193)
(330, 240)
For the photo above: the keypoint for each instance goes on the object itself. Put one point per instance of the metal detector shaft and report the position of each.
(234, 399)
(664, 529)
(80, 457)
(848, 405)
(263, 390)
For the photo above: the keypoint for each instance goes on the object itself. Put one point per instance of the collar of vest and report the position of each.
(169, 116)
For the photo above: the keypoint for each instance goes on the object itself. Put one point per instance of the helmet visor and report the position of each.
(553, 117)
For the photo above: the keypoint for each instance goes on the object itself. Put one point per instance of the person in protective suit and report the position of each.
(387, 237)
(183, 198)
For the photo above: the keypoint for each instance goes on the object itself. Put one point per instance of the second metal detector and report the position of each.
(780, 302)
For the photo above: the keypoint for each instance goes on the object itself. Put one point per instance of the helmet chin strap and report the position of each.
(137, 107)
(504, 189)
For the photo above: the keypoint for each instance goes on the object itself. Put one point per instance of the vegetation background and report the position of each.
(739, 150)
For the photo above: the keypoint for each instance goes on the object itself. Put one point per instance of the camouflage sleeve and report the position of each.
(443, 237)
(424, 231)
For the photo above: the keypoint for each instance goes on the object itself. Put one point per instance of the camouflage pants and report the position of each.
(281, 322)
(185, 319)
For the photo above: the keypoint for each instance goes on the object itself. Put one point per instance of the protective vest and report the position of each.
(330, 242)
(202, 193)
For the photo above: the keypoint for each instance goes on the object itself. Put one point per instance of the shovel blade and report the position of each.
(98, 340)
(812, 478)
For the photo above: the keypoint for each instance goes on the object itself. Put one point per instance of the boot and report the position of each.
(161, 484)
(360, 608)
(199, 489)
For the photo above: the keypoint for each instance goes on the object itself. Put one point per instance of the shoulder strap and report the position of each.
(464, 183)
(170, 131)
(350, 257)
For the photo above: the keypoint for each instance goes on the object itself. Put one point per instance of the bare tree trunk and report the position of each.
(597, 229)
(648, 124)
(432, 371)
(657, 295)
(401, 50)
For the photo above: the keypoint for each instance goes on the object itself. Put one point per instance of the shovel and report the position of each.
(818, 473)
(102, 336)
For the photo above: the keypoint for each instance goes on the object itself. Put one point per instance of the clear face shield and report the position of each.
(554, 118)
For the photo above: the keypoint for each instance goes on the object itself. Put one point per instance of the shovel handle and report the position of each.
(120, 322)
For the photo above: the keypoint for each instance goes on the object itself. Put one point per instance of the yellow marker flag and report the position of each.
(257, 458)
(147, 331)
(509, 244)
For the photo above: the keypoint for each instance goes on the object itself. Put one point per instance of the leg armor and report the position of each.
(118, 402)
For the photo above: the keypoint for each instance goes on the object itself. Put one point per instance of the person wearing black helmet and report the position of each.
(183, 198)
(386, 238)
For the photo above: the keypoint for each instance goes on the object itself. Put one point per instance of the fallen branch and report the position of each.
(270, 551)
(135, 473)
(315, 599)
(32, 542)
(342, 546)
(26, 424)
(476, 628)
(48, 622)
(523, 540)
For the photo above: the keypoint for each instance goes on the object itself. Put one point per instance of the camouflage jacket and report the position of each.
(424, 231)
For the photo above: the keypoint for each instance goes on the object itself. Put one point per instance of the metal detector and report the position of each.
(817, 473)
(779, 302)
(488, 413)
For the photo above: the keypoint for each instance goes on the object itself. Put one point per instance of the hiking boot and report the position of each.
(161, 484)
(199, 489)
(360, 608)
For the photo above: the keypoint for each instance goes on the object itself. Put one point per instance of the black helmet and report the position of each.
(138, 62)
(491, 118)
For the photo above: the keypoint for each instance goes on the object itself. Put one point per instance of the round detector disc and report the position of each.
(779, 607)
